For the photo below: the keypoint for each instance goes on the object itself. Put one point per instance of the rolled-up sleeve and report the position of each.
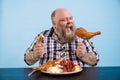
(29, 57)
(90, 48)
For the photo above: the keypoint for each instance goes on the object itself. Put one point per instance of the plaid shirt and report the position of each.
(54, 49)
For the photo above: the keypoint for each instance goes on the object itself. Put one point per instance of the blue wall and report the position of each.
(22, 20)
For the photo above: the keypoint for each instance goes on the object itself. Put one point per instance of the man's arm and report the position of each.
(87, 53)
(89, 58)
(29, 57)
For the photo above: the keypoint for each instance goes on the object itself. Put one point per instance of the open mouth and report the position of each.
(69, 27)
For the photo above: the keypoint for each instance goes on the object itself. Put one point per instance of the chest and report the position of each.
(52, 45)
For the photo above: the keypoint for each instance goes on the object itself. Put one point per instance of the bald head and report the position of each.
(59, 13)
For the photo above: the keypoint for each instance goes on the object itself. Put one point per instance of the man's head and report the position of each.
(63, 24)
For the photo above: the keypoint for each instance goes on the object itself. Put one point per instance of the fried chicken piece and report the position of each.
(39, 40)
(48, 64)
(81, 32)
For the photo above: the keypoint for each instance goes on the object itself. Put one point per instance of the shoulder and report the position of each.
(83, 40)
(46, 32)
(79, 39)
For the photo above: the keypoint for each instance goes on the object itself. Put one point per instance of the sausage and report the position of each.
(68, 65)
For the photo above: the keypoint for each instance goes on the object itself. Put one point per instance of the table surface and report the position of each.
(88, 73)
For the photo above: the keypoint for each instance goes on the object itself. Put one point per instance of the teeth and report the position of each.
(69, 25)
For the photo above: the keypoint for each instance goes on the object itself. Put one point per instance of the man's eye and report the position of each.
(62, 20)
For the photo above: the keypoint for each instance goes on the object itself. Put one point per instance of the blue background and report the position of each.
(22, 20)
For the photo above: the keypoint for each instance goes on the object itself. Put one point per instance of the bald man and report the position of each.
(60, 40)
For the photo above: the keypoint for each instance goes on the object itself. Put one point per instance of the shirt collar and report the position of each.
(51, 33)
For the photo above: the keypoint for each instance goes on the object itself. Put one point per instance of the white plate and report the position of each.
(63, 73)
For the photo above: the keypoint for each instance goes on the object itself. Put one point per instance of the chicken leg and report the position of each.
(81, 32)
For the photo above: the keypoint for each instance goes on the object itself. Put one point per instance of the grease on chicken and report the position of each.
(83, 33)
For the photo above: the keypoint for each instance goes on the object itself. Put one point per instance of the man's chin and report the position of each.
(70, 37)
(69, 33)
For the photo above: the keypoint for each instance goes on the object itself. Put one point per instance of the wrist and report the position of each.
(39, 55)
(83, 55)
(89, 58)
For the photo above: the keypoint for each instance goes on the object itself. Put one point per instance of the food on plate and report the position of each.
(77, 68)
(68, 65)
(59, 66)
(48, 64)
(83, 33)
(55, 69)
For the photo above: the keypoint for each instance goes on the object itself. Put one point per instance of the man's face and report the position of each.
(64, 26)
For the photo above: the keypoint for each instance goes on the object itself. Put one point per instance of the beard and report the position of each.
(67, 34)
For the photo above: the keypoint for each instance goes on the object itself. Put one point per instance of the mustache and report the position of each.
(70, 25)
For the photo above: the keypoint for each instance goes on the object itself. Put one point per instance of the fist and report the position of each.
(81, 49)
(39, 49)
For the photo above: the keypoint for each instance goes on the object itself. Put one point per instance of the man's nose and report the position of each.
(68, 21)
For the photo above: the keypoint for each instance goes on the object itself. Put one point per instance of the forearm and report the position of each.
(89, 58)
(30, 58)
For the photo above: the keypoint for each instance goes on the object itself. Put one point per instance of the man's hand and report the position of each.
(81, 49)
(87, 57)
(39, 50)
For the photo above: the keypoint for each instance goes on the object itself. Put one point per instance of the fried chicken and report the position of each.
(81, 32)
(48, 64)
(39, 40)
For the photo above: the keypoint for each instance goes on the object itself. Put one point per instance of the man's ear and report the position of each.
(53, 23)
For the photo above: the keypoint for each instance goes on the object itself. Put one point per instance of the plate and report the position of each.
(63, 73)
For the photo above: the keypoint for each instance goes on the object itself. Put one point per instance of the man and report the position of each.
(60, 41)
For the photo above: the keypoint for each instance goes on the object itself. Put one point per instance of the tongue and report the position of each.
(68, 30)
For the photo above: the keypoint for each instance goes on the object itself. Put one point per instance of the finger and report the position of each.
(39, 45)
(80, 44)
